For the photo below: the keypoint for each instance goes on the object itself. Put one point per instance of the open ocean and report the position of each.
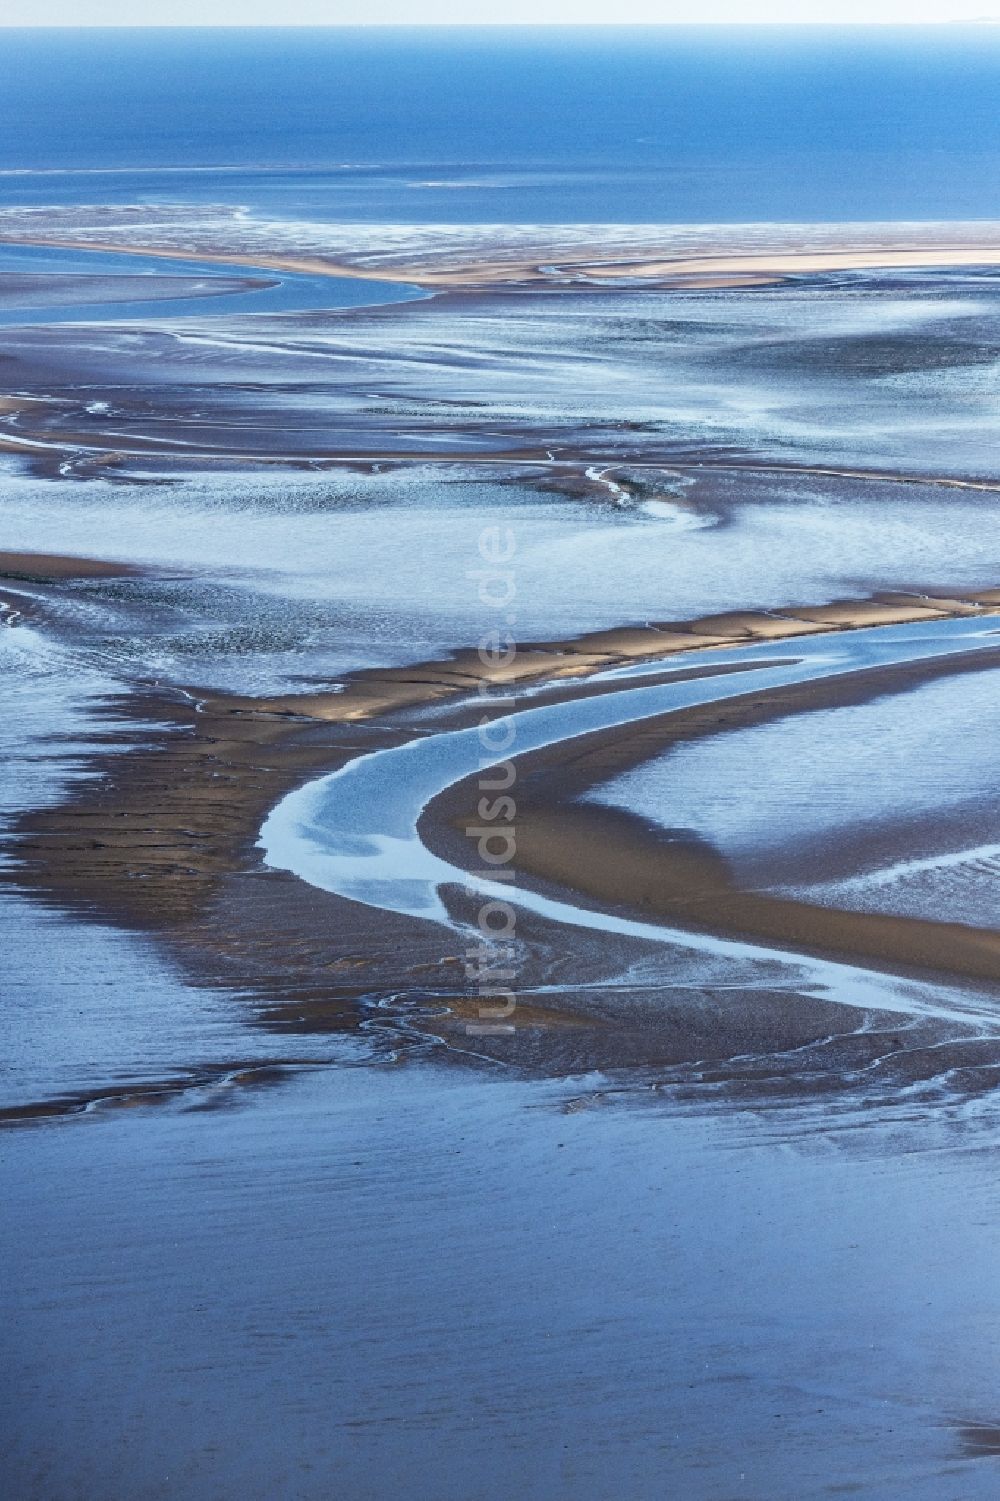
(670, 125)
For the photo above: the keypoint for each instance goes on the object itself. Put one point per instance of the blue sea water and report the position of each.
(669, 124)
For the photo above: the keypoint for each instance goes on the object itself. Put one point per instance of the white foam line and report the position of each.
(889, 875)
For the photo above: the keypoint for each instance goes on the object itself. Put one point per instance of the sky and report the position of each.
(413, 12)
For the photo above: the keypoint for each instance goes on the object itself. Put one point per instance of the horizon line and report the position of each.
(707, 25)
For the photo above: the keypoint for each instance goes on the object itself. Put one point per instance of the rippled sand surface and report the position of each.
(890, 805)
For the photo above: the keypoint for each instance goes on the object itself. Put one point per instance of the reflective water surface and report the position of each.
(375, 1281)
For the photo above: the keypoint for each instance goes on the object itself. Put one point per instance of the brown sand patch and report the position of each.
(45, 566)
(852, 613)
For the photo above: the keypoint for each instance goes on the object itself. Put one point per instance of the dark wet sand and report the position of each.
(163, 840)
(44, 566)
(198, 399)
(617, 860)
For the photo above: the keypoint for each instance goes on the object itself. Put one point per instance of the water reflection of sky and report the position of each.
(283, 292)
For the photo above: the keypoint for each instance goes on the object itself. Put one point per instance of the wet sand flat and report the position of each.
(319, 1181)
(265, 1284)
(764, 378)
(165, 833)
(614, 858)
(499, 653)
(41, 565)
(224, 758)
(163, 841)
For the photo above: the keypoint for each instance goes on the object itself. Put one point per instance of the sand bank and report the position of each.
(380, 690)
(161, 837)
(618, 861)
(310, 265)
(439, 257)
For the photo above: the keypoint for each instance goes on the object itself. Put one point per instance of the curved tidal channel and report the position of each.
(282, 291)
(355, 832)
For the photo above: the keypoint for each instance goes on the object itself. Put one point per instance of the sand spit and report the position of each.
(381, 690)
(308, 265)
(585, 270)
(440, 256)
